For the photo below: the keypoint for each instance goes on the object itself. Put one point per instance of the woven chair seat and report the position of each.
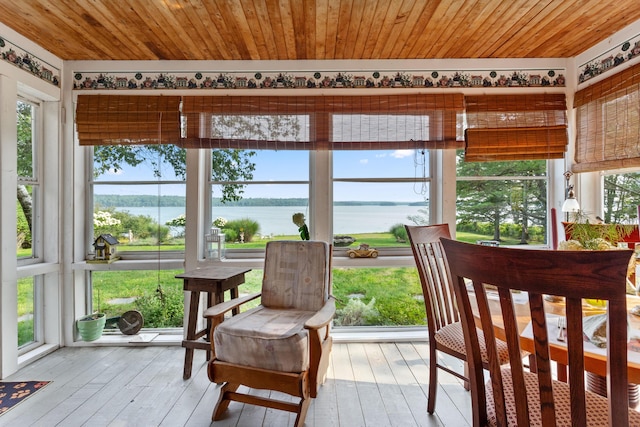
(452, 337)
(597, 406)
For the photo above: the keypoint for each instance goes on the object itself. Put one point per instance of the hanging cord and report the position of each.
(420, 167)
(159, 289)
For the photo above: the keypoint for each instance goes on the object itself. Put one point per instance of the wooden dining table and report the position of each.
(595, 361)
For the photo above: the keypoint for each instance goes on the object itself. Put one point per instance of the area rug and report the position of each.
(12, 393)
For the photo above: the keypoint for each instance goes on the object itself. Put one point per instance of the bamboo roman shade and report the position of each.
(323, 122)
(127, 119)
(515, 127)
(608, 124)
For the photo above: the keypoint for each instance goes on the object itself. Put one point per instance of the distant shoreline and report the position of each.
(118, 200)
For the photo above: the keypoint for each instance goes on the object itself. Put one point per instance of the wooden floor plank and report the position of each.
(371, 400)
(368, 384)
(382, 361)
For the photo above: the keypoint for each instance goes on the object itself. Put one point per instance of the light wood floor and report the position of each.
(368, 384)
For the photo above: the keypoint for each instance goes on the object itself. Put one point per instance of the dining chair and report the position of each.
(514, 396)
(443, 320)
(284, 343)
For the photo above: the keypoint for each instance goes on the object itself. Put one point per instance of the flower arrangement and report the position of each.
(298, 219)
(596, 237)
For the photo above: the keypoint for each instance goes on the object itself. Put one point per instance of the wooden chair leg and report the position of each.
(433, 381)
(302, 411)
(223, 400)
(466, 384)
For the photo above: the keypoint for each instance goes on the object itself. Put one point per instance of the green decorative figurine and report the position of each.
(298, 219)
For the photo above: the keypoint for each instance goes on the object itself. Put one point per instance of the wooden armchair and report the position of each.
(443, 319)
(283, 344)
(515, 396)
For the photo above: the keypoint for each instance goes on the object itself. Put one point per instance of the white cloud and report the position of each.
(364, 161)
(399, 154)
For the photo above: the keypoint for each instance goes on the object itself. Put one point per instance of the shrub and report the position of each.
(230, 235)
(246, 225)
(399, 232)
(342, 241)
(357, 313)
(163, 309)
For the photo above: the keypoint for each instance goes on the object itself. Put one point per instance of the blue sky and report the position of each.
(294, 165)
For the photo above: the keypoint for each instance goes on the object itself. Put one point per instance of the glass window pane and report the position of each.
(157, 294)
(621, 198)
(25, 221)
(259, 204)
(26, 311)
(26, 157)
(372, 207)
(266, 210)
(508, 203)
(381, 164)
(142, 216)
(378, 297)
(139, 163)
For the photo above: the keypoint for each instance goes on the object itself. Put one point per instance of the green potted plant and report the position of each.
(90, 326)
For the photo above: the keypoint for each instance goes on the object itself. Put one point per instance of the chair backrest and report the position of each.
(297, 274)
(572, 274)
(439, 298)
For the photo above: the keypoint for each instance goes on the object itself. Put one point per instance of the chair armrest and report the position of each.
(323, 317)
(223, 307)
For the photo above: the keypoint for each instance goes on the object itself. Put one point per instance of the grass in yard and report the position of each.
(396, 292)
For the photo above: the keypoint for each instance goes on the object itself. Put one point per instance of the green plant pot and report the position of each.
(90, 327)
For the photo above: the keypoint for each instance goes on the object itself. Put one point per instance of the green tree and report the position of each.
(621, 198)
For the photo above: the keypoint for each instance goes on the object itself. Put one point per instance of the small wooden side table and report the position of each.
(214, 281)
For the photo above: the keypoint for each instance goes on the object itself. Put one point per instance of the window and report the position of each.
(272, 186)
(376, 192)
(139, 197)
(621, 198)
(504, 201)
(28, 218)
(29, 310)
(139, 200)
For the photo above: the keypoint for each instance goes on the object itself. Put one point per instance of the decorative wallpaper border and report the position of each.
(291, 80)
(28, 62)
(610, 59)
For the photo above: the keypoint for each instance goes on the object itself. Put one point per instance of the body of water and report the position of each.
(276, 220)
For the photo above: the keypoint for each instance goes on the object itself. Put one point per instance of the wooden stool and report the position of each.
(214, 281)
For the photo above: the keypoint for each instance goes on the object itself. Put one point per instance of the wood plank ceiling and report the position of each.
(316, 29)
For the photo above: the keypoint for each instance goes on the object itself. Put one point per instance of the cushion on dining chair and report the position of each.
(265, 338)
(452, 337)
(597, 406)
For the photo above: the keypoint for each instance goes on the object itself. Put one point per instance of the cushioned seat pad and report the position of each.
(597, 406)
(265, 338)
(452, 336)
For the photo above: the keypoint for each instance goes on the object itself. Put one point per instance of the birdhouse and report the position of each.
(105, 248)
